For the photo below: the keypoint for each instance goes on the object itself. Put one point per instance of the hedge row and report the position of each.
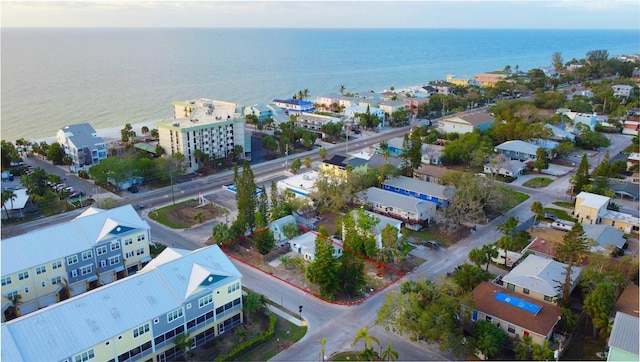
(246, 345)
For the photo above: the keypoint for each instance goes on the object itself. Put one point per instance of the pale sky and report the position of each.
(557, 14)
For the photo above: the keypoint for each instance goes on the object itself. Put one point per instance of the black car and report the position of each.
(133, 189)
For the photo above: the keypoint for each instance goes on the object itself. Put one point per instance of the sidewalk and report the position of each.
(293, 319)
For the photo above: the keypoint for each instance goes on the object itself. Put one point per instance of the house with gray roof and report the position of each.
(82, 144)
(625, 188)
(540, 278)
(381, 224)
(260, 110)
(429, 191)
(305, 245)
(506, 168)
(519, 150)
(623, 341)
(430, 173)
(414, 213)
(560, 134)
(138, 318)
(277, 227)
(604, 237)
(96, 248)
(466, 122)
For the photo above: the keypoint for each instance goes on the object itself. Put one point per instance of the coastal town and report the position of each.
(490, 217)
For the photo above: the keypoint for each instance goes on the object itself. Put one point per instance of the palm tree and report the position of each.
(323, 343)
(364, 335)
(154, 133)
(305, 93)
(389, 353)
(13, 311)
(491, 252)
(477, 256)
(538, 211)
(199, 217)
(6, 196)
(368, 354)
(322, 153)
(509, 226)
(342, 89)
(184, 342)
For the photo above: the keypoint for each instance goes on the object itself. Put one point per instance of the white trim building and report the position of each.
(82, 144)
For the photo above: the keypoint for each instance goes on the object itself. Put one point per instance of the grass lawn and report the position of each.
(538, 182)
(162, 215)
(520, 197)
(560, 214)
(286, 334)
(568, 205)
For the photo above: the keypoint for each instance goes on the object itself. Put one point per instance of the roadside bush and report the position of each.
(248, 344)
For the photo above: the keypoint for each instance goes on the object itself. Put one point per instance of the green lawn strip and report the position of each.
(285, 334)
(568, 205)
(161, 215)
(560, 214)
(520, 197)
(537, 182)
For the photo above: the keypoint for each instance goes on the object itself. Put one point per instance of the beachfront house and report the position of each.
(429, 191)
(294, 106)
(490, 79)
(516, 314)
(96, 248)
(196, 293)
(466, 122)
(82, 144)
(211, 126)
(414, 213)
(260, 110)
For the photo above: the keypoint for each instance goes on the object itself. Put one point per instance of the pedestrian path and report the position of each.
(291, 318)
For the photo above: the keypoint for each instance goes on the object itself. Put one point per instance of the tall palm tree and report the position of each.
(6, 196)
(389, 353)
(323, 343)
(184, 342)
(538, 211)
(342, 89)
(491, 252)
(363, 334)
(305, 93)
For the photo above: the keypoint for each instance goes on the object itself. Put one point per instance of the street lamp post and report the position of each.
(173, 196)
(286, 155)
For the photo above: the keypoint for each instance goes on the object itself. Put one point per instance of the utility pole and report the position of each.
(173, 196)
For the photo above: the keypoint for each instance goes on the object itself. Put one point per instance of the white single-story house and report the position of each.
(466, 123)
(15, 207)
(415, 213)
(305, 245)
(508, 168)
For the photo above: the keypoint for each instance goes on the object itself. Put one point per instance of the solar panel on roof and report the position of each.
(518, 303)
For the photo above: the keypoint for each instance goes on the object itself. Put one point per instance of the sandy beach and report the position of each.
(109, 135)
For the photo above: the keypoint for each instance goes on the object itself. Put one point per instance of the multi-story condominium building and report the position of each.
(50, 264)
(622, 90)
(82, 144)
(212, 126)
(138, 318)
(314, 122)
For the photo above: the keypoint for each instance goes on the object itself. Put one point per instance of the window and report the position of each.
(23, 275)
(84, 356)
(26, 289)
(128, 241)
(72, 259)
(56, 280)
(56, 265)
(41, 270)
(128, 254)
(548, 298)
(205, 300)
(140, 251)
(511, 329)
(488, 319)
(103, 263)
(171, 316)
(525, 290)
(85, 270)
(43, 283)
(12, 294)
(140, 330)
(115, 246)
(101, 250)
(74, 273)
(140, 237)
(511, 286)
(232, 288)
(114, 260)
(87, 255)
(6, 281)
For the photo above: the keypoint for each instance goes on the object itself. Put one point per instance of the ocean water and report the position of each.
(109, 77)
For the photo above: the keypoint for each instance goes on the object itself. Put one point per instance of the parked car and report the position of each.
(550, 216)
(133, 189)
(68, 189)
(76, 194)
(432, 244)
(59, 187)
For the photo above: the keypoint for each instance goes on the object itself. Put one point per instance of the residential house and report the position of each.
(294, 106)
(430, 173)
(338, 165)
(327, 100)
(634, 179)
(588, 119)
(466, 122)
(625, 222)
(427, 90)
(541, 247)
(516, 314)
(604, 238)
(459, 81)
(260, 110)
(633, 160)
(301, 184)
(622, 90)
(411, 104)
(211, 126)
(382, 223)
(623, 341)
(394, 146)
(390, 107)
(377, 160)
(97, 247)
(415, 213)
(539, 278)
(490, 79)
(305, 245)
(352, 112)
(631, 128)
(82, 144)
(590, 208)
(198, 293)
(278, 227)
(506, 168)
(629, 301)
(627, 188)
(314, 122)
(442, 87)
(16, 206)
(429, 191)
(560, 134)
(520, 150)
(432, 154)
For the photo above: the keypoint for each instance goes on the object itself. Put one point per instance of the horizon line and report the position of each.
(305, 28)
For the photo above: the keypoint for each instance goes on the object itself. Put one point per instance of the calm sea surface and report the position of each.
(109, 77)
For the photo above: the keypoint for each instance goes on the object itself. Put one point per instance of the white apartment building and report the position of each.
(215, 127)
